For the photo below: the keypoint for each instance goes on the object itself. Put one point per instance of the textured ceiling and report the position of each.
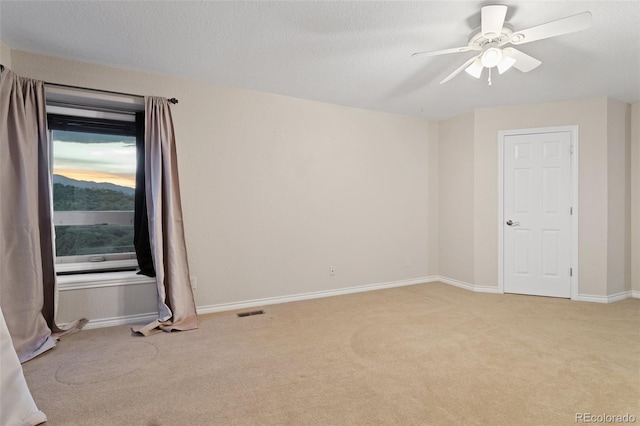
(349, 53)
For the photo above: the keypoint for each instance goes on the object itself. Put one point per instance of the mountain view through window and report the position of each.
(93, 192)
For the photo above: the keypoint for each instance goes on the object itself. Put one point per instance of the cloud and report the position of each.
(113, 162)
(82, 137)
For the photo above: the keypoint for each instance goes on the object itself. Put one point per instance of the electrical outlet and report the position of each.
(407, 261)
(332, 270)
(194, 282)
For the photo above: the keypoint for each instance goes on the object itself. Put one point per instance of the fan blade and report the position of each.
(457, 71)
(492, 19)
(524, 62)
(475, 69)
(444, 51)
(570, 24)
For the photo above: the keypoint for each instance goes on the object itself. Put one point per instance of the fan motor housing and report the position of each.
(479, 42)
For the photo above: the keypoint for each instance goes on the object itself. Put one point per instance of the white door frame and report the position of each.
(574, 197)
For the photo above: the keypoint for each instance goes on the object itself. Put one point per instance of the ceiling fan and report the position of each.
(494, 34)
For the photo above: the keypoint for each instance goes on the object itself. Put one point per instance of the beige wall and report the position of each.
(619, 193)
(5, 55)
(590, 116)
(276, 189)
(456, 198)
(469, 193)
(635, 198)
(433, 169)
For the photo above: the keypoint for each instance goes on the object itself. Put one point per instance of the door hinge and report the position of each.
(570, 272)
(571, 211)
(570, 149)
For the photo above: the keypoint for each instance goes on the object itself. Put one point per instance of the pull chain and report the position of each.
(489, 76)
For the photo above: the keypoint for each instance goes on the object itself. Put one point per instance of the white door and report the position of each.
(537, 214)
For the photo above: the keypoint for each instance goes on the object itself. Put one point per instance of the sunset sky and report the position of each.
(113, 162)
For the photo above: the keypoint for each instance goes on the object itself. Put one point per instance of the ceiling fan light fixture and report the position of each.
(475, 69)
(491, 57)
(506, 63)
(494, 33)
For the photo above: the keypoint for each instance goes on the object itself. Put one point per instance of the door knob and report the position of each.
(512, 223)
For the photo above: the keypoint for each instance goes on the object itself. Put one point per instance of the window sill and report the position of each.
(71, 267)
(102, 279)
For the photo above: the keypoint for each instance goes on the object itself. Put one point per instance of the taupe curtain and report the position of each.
(27, 276)
(176, 307)
(17, 406)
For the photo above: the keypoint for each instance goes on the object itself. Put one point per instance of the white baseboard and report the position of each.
(612, 298)
(148, 317)
(209, 309)
(619, 296)
(467, 286)
(590, 298)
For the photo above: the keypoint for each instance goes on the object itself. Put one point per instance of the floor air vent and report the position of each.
(248, 314)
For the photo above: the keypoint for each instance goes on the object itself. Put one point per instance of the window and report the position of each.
(93, 157)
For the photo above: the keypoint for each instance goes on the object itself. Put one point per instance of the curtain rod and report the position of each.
(68, 86)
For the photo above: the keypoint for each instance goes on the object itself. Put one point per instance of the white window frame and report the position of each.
(94, 108)
(85, 263)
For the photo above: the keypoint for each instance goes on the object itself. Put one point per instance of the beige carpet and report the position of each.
(427, 354)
